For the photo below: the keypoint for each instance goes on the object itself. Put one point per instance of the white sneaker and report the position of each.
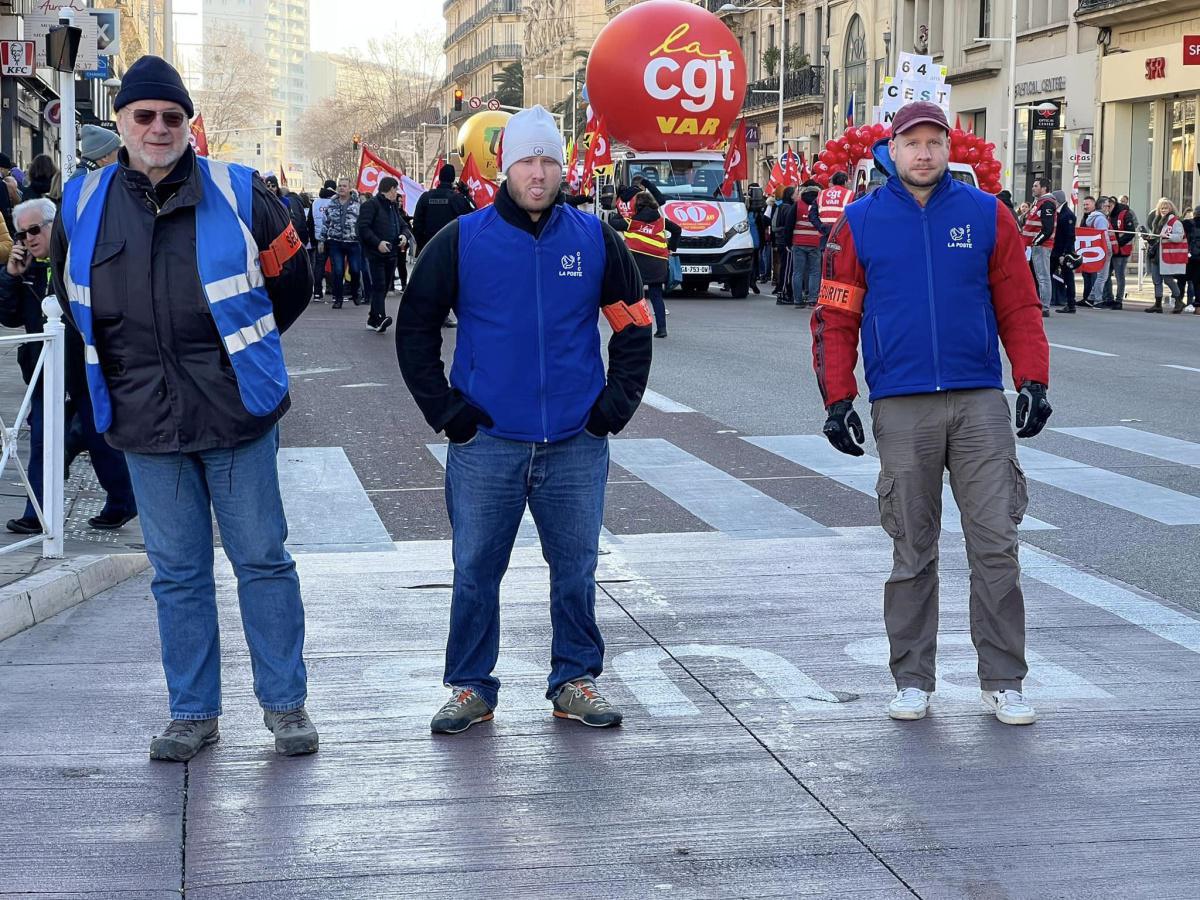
(1010, 707)
(909, 704)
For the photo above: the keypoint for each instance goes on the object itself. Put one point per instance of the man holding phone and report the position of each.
(384, 234)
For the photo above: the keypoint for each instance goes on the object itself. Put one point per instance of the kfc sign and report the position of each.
(17, 58)
(666, 75)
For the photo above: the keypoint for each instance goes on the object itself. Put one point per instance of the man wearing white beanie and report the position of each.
(528, 409)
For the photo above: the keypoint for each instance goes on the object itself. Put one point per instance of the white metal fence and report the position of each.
(51, 369)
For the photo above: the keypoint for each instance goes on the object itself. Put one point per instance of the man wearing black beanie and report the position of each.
(182, 272)
(438, 208)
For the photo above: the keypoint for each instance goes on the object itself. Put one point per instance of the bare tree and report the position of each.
(236, 87)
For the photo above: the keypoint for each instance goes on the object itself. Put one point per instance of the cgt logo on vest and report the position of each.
(960, 239)
(572, 265)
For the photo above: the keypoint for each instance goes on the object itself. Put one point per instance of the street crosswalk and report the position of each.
(723, 502)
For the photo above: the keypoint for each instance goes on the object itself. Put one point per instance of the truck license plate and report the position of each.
(696, 270)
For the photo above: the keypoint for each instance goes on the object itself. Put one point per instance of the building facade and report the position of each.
(557, 36)
(482, 37)
(1148, 96)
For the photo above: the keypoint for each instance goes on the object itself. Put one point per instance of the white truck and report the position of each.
(716, 244)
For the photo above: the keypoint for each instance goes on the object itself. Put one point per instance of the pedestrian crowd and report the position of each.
(179, 276)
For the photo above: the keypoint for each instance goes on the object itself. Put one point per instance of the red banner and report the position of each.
(483, 192)
(736, 166)
(599, 154)
(198, 139)
(1092, 245)
(370, 169)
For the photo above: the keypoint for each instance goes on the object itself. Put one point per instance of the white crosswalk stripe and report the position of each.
(813, 451)
(1146, 443)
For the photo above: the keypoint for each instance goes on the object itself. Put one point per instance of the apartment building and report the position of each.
(1148, 95)
(482, 37)
(556, 33)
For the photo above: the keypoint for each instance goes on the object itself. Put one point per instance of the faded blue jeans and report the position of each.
(489, 481)
(177, 494)
(806, 273)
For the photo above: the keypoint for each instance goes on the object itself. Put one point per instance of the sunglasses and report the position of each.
(172, 118)
(31, 231)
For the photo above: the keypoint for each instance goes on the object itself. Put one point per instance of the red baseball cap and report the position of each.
(919, 113)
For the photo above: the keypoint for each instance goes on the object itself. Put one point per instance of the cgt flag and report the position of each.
(482, 191)
(370, 169)
(736, 166)
(599, 154)
(198, 139)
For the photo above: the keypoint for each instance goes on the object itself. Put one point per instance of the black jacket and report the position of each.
(1047, 216)
(1191, 228)
(171, 382)
(21, 307)
(299, 217)
(652, 269)
(433, 292)
(381, 220)
(1064, 235)
(785, 222)
(435, 210)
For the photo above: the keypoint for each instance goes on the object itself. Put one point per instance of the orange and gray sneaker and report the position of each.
(460, 712)
(581, 701)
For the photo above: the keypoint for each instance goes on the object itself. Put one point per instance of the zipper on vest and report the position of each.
(937, 365)
(537, 274)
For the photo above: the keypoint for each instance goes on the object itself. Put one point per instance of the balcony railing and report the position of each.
(499, 51)
(802, 84)
(493, 8)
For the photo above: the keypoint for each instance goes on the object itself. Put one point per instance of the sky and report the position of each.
(339, 24)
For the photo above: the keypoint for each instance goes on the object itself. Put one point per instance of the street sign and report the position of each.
(53, 112)
(1047, 116)
(38, 26)
(17, 58)
(1191, 49)
(494, 105)
(108, 31)
(751, 133)
(475, 103)
(102, 71)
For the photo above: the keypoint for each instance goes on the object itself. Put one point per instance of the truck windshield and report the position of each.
(685, 179)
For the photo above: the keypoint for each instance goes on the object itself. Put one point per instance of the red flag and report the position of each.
(370, 169)
(957, 122)
(599, 154)
(736, 166)
(483, 192)
(791, 168)
(282, 175)
(776, 180)
(198, 139)
(437, 169)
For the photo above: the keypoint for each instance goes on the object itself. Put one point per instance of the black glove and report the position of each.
(597, 423)
(844, 428)
(462, 427)
(1033, 409)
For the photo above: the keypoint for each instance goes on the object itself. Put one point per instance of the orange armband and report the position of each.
(839, 295)
(621, 315)
(281, 250)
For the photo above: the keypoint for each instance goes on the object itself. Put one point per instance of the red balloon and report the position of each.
(831, 145)
(864, 134)
(822, 180)
(972, 155)
(878, 131)
(990, 147)
(957, 135)
(820, 167)
(680, 94)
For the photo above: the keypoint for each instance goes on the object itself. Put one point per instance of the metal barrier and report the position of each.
(51, 365)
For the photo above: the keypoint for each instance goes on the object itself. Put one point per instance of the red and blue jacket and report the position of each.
(931, 291)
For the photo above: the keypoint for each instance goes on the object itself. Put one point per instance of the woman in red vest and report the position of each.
(1168, 254)
(651, 237)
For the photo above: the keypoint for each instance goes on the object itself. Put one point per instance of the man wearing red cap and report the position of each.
(930, 272)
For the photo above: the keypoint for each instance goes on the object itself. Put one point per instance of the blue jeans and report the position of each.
(489, 481)
(1117, 270)
(339, 253)
(107, 462)
(806, 273)
(654, 292)
(177, 494)
(764, 261)
(1040, 257)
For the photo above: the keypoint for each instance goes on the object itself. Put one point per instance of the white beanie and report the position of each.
(531, 132)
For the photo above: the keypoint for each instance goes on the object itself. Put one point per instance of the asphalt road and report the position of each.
(744, 366)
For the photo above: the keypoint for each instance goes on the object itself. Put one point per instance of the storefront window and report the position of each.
(1021, 176)
(1141, 158)
(1179, 178)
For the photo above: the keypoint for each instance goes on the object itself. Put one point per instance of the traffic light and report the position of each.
(258, 149)
(279, 128)
(458, 98)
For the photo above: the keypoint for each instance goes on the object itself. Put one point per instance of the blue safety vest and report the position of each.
(227, 258)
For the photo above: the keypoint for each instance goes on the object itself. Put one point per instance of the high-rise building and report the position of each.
(279, 31)
(482, 37)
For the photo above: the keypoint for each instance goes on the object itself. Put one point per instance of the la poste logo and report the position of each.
(667, 75)
(693, 216)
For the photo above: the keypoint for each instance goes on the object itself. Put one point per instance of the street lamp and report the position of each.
(574, 79)
(782, 8)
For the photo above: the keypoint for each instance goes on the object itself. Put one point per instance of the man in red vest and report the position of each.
(806, 247)
(1039, 238)
(832, 201)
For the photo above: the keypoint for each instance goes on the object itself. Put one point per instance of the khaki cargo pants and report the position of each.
(969, 433)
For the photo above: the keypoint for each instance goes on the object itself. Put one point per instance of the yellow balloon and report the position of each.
(479, 136)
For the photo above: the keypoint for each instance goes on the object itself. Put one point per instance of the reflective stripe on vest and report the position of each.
(1033, 222)
(227, 260)
(1174, 253)
(648, 238)
(804, 234)
(832, 203)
